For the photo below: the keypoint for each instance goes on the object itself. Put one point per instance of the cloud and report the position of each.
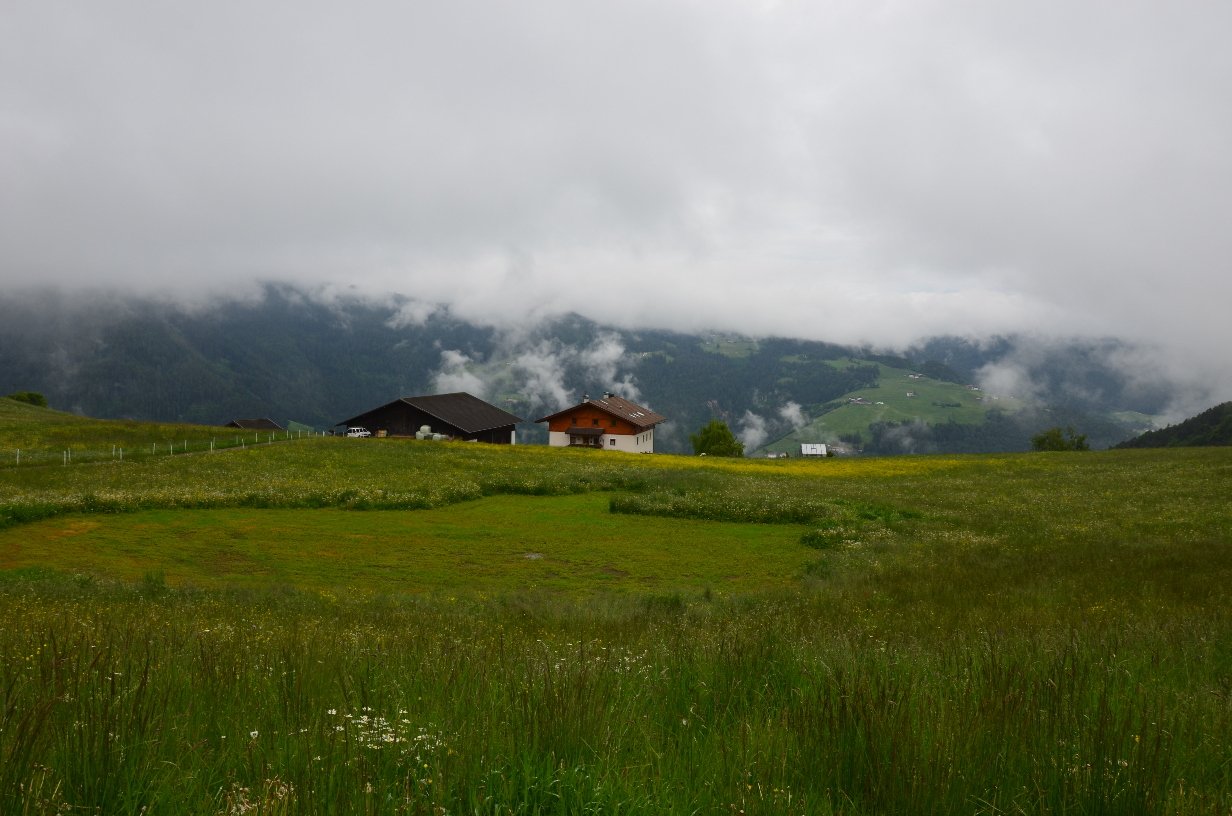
(753, 432)
(412, 313)
(543, 369)
(841, 170)
(793, 415)
(540, 371)
(456, 374)
(909, 437)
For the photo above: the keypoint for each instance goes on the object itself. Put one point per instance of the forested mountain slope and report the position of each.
(293, 355)
(1211, 427)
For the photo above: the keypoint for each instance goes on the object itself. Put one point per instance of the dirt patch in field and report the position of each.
(72, 528)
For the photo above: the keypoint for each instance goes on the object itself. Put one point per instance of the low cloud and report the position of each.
(412, 313)
(753, 432)
(793, 415)
(457, 374)
(545, 374)
(909, 437)
(542, 370)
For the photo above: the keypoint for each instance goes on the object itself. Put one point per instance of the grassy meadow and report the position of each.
(388, 626)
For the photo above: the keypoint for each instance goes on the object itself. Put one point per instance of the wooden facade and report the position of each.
(608, 422)
(587, 416)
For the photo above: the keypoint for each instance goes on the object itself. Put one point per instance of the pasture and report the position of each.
(338, 626)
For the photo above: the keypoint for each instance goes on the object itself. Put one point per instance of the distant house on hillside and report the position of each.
(609, 422)
(459, 416)
(254, 425)
(812, 449)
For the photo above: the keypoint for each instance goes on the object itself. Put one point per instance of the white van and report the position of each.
(358, 433)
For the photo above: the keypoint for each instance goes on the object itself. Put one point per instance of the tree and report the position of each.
(1054, 439)
(716, 439)
(31, 397)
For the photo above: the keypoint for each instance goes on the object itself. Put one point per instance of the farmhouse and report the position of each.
(459, 416)
(254, 425)
(609, 422)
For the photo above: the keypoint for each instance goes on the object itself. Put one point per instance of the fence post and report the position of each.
(19, 457)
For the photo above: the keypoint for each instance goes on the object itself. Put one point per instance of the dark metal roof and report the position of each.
(464, 411)
(618, 407)
(254, 425)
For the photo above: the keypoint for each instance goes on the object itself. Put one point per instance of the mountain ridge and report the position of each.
(293, 356)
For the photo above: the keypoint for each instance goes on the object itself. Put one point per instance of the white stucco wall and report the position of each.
(635, 443)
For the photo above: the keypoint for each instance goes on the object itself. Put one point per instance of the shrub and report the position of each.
(1054, 439)
(716, 439)
(30, 397)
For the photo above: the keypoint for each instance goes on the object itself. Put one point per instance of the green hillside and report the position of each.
(30, 435)
(331, 625)
(898, 395)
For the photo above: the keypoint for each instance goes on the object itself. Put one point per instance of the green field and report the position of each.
(501, 544)
(393, 626)
(898, 397)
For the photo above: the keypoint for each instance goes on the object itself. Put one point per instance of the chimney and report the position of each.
(608, 395)
(585, 397)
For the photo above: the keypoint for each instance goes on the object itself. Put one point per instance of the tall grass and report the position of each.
(118, 698)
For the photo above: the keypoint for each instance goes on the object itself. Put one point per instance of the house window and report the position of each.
(611, 423)
(595, 422)
(612, 442)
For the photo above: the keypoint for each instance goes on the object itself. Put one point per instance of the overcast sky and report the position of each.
(849, 171)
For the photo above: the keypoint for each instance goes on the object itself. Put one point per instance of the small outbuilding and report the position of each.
(609, 422)
(459, 416)
(263, 424)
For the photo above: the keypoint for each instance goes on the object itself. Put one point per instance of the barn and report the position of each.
(609, 422)
(458, 416)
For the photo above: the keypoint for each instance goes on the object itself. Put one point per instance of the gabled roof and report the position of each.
(617, 407)
(254, 425)
(464, 411)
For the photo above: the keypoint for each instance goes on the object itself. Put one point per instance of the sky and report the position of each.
(843, 170)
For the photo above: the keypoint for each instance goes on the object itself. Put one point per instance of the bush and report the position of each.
(30, 397)
(1054, 439)
(716, 439)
